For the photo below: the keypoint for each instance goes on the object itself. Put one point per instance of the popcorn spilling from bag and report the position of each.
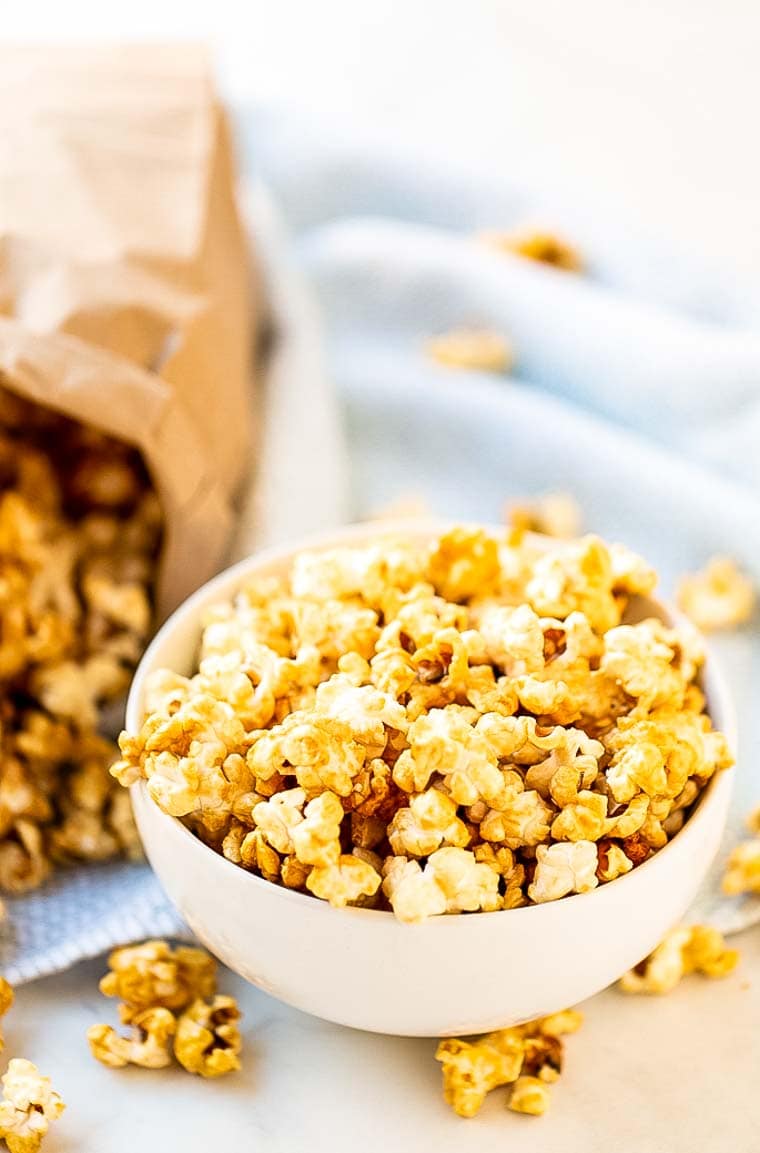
(460, 726)
(526, 1057)
(79, 532)
(170, 1003)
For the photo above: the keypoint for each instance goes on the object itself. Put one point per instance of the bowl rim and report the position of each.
(225, 582)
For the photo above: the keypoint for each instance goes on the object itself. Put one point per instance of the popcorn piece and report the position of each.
(463, 563)
(153, 974)
(443, 742)
(685, 949)
(562, 868)
(319, 751)
(472, 1069)
(612, 861)
(28, 1106)
(279, 817)
(429, 822)
(345, 882)
(742, 873)
(535, 244)
(556, 514)
(576, 578)
(207, 1040)
(718, 597)
(150, 1047)
(452, 881)
(529, 1095)
(316, 840)
(480, 349)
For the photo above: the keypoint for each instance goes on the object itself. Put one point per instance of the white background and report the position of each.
(651, 104)
(651, 107)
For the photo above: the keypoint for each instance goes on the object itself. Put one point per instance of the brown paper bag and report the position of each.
(124, 278)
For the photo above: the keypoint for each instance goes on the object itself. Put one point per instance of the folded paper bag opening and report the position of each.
(132, 306)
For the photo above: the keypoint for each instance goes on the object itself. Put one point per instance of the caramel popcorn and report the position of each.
(470, 724)
(169, 999)
(685, 949)
(79, 534)
(529, 1095)
(480, 349)
(556, 514)
(149, 1047)
(527, 1057)
(207, 1040)
(742, 873)
(155, 974)
(536, 244)
(29, 1103)
(718, 597)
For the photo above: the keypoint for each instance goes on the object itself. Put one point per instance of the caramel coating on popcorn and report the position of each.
(684, 950)
(742, 873)
(149, 1046)
(467, 725)
(480, 349)
(526, 1057)
(529, 1095)
(207, 1040)
(79, 535)
(718, 597)
(153, 974)
(29, 1103)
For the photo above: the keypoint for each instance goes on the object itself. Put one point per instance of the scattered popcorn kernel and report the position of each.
(207, 1040)
(155, 974)
(718, 597)
(742, 873)
(535, 244)
(556, 514)
(480, 349)
(527, 1057)
(529, 1095)
(29, 1103)
(684, 950)
(149, 1047)
(472, 1069)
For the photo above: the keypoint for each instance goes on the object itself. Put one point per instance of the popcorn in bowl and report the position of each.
(465, 725)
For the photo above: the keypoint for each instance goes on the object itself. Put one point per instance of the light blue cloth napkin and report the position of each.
(636, 387)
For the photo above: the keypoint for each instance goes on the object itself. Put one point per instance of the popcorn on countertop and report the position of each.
(718, 597)
(29, 1103)
(523, 1056)
(685, 949)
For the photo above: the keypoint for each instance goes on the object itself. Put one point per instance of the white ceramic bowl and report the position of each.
(451, 974)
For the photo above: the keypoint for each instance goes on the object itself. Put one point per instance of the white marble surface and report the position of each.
(675, 1074)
